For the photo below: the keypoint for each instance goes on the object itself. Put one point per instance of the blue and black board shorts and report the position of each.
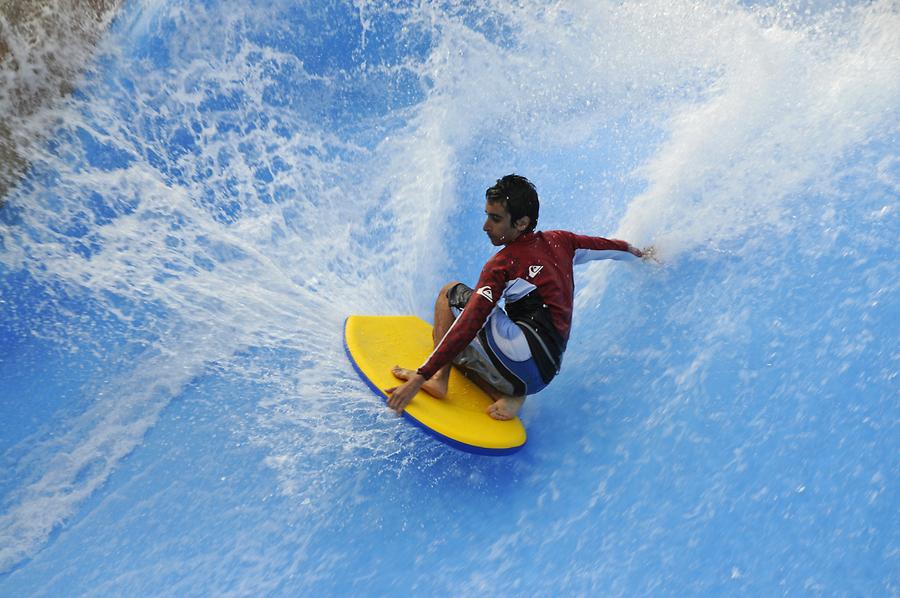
(499, 353)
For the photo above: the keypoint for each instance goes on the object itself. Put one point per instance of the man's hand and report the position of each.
(400, 396)
(649, 254)
(646, 254)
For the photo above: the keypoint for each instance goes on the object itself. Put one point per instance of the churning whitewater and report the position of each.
(222, 183)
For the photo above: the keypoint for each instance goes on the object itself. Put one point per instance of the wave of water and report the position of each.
(229, 182)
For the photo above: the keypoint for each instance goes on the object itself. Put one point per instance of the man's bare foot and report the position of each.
(505, 408)
(432, 387)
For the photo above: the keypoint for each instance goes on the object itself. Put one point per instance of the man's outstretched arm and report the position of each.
(589, 248)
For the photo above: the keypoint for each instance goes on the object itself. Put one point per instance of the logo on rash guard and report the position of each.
(533, 271)
(486, 293)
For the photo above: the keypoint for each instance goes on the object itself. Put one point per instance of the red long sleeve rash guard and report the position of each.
(536, 265)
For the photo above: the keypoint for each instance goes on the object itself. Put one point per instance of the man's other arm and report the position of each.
(589, 248)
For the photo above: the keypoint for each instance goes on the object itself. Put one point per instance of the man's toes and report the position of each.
(496, 412)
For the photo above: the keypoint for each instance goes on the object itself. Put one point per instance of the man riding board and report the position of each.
(514, 352)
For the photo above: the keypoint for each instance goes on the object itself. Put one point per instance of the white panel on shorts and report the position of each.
(509, 337)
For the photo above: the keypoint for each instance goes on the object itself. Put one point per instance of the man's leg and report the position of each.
(443, 319)
(504, 406)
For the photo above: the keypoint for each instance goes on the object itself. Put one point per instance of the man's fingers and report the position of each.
(396, 399)
(392, 400)
(650, 254)
(397, 405)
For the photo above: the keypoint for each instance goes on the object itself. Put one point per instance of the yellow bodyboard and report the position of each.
(376, 343)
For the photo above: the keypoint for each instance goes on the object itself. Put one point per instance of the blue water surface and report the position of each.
(230, 181)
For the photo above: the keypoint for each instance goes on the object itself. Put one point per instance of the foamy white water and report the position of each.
(230, 182)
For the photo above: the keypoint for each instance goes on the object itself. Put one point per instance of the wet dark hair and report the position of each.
(518, 196)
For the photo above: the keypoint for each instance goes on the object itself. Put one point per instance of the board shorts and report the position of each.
(499, 353)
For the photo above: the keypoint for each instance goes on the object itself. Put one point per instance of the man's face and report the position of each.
(498, 226)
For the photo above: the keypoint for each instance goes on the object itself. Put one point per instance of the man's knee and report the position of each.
(446, 288)
(444, 294)
(456, 295)
(443, 298)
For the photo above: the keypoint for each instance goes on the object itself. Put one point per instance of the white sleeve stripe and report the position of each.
(587, 255)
